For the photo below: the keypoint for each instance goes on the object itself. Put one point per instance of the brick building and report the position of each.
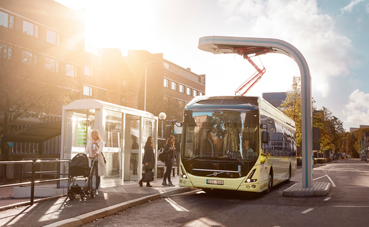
(48, 35)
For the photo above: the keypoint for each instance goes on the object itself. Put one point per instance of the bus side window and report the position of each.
(265, 137)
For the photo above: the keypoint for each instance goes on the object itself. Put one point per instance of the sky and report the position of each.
(332, 35)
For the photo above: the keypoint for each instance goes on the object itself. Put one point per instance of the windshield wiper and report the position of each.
(240, 161)
(233, 155)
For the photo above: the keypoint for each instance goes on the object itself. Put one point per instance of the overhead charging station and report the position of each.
(248, 47)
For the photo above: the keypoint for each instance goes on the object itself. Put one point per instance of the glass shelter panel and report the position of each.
(148, 130)
(134, 151)
(82, 123)
(113, 142)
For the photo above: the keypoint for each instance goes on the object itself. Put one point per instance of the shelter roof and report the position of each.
(35, 133)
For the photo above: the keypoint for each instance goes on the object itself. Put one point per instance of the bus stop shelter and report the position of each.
(124, 131)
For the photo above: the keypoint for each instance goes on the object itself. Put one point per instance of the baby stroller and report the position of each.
(78, 169)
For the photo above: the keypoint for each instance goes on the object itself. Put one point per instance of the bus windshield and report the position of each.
(222, 135)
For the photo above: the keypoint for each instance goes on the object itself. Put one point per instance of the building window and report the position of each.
(71, 70)
(166, 83)
(87, 90)
(174, 86)
(99, 93)
(201, 94)
(181, 88)
(5, 51)
(52, 37)
(6, 20)
(188, 91)
(30, 29)
(88, 71)
(71, 44)
(166, 65)
(194, 93)
(28, 57)
(51, 65)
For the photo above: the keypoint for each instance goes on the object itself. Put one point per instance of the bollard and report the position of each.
(33, 180)
(58, 174)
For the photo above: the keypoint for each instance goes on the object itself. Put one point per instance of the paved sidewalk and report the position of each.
(61, 211)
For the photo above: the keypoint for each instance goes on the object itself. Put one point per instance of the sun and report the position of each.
(121, 24)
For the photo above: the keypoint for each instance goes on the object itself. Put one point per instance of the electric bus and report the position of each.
(236, 143)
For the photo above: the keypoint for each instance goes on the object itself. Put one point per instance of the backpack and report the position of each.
(162, 156)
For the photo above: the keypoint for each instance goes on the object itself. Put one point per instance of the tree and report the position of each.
(354, 140)
(291, 106)
(28, 82)
(347, 144)
(331, 129)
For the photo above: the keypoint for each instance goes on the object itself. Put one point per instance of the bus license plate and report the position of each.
(218, 182)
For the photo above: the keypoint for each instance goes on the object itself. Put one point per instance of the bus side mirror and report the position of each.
(264, 137)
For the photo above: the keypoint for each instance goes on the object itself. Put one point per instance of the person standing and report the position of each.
(148, 160)
(169, 150)
(94, 151)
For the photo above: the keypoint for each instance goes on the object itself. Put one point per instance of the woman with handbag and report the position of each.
(169, 150)
(94, 151)
(148, 162)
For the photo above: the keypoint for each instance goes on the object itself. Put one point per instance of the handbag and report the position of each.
(162, 156)
(147, 176)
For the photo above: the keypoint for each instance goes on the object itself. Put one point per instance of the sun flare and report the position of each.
(122, 24)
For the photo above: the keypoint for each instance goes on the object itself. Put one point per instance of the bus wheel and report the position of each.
(270, 182)
(289, 175)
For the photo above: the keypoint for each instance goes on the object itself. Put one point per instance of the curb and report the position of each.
(101, 213)
(318, 189)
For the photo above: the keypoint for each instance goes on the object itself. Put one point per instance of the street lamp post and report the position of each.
(162, 117)
(147, 63)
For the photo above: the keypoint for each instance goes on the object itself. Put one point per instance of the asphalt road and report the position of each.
(346, 205)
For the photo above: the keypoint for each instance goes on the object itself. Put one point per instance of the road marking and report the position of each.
(188, 193)
(330, 169)
(176, 205)
(204, 222)
(333, 184)
(290, 187)
(307, 211)
(326, 199)
(326, 187)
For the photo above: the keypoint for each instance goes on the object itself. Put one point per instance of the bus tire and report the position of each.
(270, 181)
(289, 175)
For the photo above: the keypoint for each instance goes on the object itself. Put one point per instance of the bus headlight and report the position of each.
(249, 178)
(183, 175)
